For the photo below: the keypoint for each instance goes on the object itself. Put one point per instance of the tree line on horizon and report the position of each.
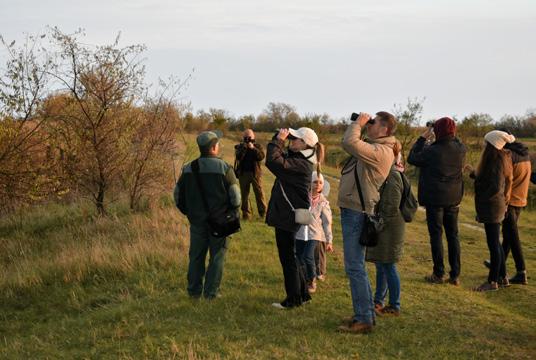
(80, 121)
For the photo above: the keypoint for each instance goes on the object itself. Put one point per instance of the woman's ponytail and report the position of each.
(320, 151)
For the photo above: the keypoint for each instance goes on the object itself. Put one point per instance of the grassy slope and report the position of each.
(108, 288)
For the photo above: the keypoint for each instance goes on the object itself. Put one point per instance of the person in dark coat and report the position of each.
(248, 157)
(293, 170)
(388, 252)
(493, 185)
(441, 191)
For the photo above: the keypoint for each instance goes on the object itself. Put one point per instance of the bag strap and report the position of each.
(285, 196)
(195, 171)
(358, 184)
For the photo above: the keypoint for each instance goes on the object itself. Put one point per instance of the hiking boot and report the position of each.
(487, 263)
(390, 311)
(378, 309)
(454, 281)
(434, 279)
(520, 278)
(356, 327)
(311, 286)
(503, 282)
(487, 286)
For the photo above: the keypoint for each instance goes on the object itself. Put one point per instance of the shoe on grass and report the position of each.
(434, 279)
(520, 278)
(487, 286)
(356, 327)
(390, 311)
(311, 286)
(454, 281)
(378, 309)
(503, 282)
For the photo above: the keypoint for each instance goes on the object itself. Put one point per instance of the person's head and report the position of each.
(493, 153)
(317, 183)
(208, 143)
(444, 128)
(248, 134)
(305, 140)
(383, 124)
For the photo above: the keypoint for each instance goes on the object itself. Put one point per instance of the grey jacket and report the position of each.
(320, 229)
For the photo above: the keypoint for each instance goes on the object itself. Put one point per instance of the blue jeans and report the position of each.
(387, 278)
(305, 252)
(354, 264)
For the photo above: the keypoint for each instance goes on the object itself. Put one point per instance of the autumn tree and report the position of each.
(23, 86)
(96, 126)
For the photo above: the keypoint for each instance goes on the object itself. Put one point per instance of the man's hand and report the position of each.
(428, 133)
(283, 134)
(363, 118)
(250, 145)
(329, 247)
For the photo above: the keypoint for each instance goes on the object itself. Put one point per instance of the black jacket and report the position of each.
(240, 152)
(294, 172)
(441, 165)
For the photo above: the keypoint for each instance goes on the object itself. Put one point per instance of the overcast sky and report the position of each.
(334, 56)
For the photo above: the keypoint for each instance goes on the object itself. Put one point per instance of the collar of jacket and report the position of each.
(385, 140)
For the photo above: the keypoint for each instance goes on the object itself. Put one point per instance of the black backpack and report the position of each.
(408, 203)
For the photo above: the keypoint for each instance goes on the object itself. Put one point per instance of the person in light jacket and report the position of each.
(309, 236)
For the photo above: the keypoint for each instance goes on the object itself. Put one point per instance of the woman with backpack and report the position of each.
(493, 185)
(388, 252)
(293, 168)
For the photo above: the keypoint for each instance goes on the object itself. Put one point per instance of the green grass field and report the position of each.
(76, 286)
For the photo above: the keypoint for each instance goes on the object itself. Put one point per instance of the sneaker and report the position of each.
(520, 278)
(454, 281)
(378, 309)
(283, 305)
(487, 263)
(390, 311)
(487, 286)
(356, 327)
(434, 279)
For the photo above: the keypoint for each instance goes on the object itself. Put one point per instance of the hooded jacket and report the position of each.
(521, 173)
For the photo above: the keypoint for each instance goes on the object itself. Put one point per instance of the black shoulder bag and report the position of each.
(223, 221)
(373, 224)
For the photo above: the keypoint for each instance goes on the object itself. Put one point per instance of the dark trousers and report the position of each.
(511, 237)
(497, 267)
(438, 218)
(305, 252)
(295, 284)
(201, 243)
(320, 258)
(247, 180)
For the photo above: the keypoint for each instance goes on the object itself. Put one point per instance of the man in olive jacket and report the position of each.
(441, 191)
(371, 160)
(249, 155)
(220, 187)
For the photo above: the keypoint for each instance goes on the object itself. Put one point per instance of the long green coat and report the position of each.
(391, 239)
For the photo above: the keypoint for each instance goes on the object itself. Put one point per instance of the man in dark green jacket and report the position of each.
(220, 188)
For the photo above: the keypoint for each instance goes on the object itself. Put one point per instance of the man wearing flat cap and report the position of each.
(440, 192)
(218, 184)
